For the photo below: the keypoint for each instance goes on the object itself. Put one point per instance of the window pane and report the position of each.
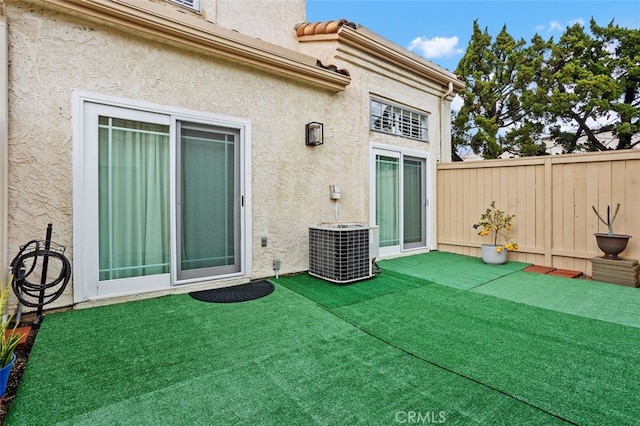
(208, 198)
(376, 115)
(412, 192)
(133, 185)
(387, 200)
(192, 4)
(398, 121)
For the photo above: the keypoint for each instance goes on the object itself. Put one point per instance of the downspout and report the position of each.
(447, 155)
(4, 142)
(439, 159)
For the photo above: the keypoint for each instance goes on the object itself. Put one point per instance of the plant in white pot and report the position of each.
(496, 223)
(9, 338)
(610, 243)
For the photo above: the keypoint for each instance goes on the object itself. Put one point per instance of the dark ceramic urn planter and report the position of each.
(612, 244)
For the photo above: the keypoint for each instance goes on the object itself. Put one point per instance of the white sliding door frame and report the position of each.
(400, 153)
(85, 198)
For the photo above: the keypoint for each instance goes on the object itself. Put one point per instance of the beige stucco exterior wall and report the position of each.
(373, 77)
(269, 20)
(51, 54)
(4, 128)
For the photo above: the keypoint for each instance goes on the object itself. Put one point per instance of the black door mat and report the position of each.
(237, 293)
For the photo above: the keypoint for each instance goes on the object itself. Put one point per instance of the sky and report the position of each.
(439, 30)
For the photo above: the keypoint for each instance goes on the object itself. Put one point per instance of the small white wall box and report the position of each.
(374, 241)
(335, 192)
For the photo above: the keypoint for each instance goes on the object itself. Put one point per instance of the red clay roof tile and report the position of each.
(328, 27)
(319, 28)
(333, 68)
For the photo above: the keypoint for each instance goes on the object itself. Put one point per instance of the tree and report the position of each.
(492, 119)
(624, 64)
(578, 89)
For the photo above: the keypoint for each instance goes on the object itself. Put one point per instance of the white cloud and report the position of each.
(436, 47)
(559, 26)
(555, 25)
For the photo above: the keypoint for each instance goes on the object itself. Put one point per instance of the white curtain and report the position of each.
(387, 200)
(133, 198)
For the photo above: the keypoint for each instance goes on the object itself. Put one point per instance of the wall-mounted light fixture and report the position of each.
(315, 134)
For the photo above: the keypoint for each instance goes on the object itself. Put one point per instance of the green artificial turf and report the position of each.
(454, 270)
(590, 299)
(581, 369)
(373, 352)
(333, 295)
(282, 359)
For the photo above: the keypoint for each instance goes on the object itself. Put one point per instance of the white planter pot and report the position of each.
(491, 256)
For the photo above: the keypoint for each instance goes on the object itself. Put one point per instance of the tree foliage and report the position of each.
(624, 63)
(575, 90)
(492, 119)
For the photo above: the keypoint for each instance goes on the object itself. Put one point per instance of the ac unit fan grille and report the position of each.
(340, 255)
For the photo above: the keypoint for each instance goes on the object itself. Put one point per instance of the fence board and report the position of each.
(567, 207)
(580, 211)
(632, 204)
(552, 199)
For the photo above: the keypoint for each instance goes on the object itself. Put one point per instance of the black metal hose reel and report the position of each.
(41, 273)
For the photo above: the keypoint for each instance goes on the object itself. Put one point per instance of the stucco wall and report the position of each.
(269, 20)
(51, 54)
(373, 77)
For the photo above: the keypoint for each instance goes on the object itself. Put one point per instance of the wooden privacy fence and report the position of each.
(551, 197)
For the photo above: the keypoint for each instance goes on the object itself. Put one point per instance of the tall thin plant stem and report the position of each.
(609, 221)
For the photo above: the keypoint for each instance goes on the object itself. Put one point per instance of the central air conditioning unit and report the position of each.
(342, 252)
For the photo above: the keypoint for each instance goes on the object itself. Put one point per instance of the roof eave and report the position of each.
(164, 23)
(377, 46)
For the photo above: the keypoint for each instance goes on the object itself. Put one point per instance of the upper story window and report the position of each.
(396, 120)
(191, 4)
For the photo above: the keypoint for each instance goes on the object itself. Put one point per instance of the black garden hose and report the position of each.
(39, 291)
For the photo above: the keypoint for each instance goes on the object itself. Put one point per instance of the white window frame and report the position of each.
(400, 153)
(393, 119)
(84, 218)
(189, 4)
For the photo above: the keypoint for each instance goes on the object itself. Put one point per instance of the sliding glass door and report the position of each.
(133, 187)
(208, 201)
(161, 201)
(399, 200)
(388, 202)
(414, 203)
